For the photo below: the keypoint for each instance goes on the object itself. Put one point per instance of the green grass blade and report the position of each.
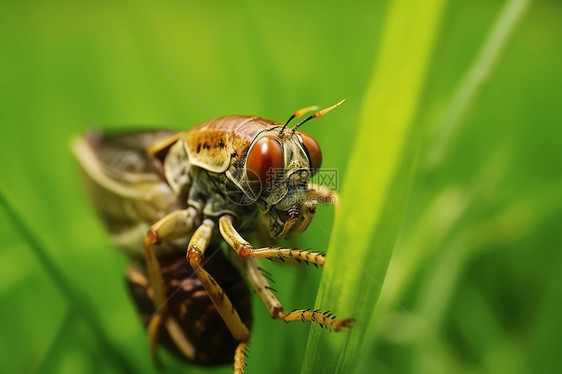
(375, 191)
(52, 357)
(75, 299)
(455, 200)
(474, 78)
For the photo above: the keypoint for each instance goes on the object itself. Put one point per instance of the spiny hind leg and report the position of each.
(244, 249)
(259, 281)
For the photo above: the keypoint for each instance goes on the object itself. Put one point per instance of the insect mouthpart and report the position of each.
(291, 219)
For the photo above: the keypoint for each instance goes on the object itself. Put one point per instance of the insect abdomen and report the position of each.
(190, 306)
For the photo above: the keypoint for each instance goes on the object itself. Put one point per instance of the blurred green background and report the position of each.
(474, 208)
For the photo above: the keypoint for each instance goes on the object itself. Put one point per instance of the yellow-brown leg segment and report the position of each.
(197, 246)
(160, 320)
(158, 299)
(152, 329)
(244, 249)
(323, 195)
(324, 319)
(240, 358)
(258, 281)
(256, 276)
(171, 226)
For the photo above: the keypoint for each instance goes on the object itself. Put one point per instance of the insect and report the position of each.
(169, 199)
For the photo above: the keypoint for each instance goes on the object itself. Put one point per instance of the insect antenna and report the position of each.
(317, 114)
(297, 114)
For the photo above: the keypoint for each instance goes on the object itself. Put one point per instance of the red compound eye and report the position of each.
(264, 160)
(313, 150)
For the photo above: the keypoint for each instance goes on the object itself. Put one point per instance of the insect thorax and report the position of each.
(211, 194)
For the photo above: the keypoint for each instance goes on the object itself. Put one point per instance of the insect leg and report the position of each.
(250, 268)
(244, 249)
(323, 195)
(154, 320)
(324, 319)
(240, 358)
(172, 225)
(197, 246)
(255, 276)
(157, 284)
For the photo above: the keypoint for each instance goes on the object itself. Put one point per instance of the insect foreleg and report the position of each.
(244, 249)
(197, 246)
(258, 281)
